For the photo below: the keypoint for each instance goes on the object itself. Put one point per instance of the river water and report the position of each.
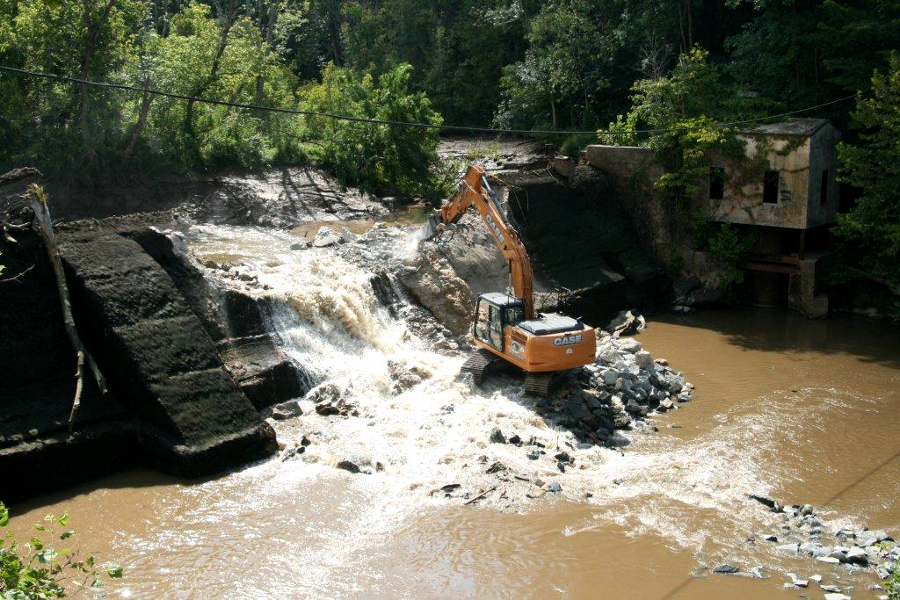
(806, 411)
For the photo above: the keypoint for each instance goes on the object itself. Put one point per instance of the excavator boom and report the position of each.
(474, 190)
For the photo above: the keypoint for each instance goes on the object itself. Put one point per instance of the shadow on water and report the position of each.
(787, 332)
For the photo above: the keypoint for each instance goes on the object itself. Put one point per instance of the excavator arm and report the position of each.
(474, 189)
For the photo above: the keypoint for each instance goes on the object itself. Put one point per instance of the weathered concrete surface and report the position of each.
(632, 173)
(158, 357)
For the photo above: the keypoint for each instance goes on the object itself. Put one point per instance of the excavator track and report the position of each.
(480, 365)
(543, 384)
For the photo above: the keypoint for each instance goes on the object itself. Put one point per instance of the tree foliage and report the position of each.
(395, 160)
(871, 229)
(685, 109)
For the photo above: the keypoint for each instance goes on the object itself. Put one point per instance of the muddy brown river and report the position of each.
(805, 411)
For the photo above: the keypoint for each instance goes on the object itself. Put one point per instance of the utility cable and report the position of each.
(413, 125)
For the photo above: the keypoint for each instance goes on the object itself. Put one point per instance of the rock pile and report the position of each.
(802, 533)
(329, 400)
(623, 385)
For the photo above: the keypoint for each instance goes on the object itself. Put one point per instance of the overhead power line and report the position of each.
(414, 125)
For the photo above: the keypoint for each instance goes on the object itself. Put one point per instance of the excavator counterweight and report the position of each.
(505, 325)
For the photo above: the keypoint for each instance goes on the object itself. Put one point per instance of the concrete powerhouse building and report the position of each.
(783, 192)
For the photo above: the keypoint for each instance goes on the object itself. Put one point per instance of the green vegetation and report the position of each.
(893, 586)
(557, 64)
(870, 231)
(38, 570)
(390, 159)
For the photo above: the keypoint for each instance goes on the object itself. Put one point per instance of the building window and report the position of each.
(823, 189)
(770, 187)
(716, 183)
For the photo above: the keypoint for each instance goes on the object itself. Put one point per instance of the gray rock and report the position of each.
(630, 345)
(348, 466)
(636, 409)
(347, 236)
(840, 554)
(497, 436)
(300, 245)
(834, 596)
(726, 569)
(326, 237)
(828, 560)
(552, 487)
(287, 410)
(643, 359)
(609, 377)
(806, 509)
(831, 588)
(770, 538)
(563, 457)
(626, 323)
(870, 538)
(813, 549)
(857, 556)
(793, 548)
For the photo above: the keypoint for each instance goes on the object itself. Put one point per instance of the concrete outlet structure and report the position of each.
(783, 190)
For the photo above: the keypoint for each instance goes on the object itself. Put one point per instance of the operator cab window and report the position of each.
(481, 321)
(495, 327)
(515, 315)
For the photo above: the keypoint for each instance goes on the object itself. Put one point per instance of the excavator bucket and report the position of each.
(431, 226)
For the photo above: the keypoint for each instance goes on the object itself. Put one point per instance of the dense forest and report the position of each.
(612, 66)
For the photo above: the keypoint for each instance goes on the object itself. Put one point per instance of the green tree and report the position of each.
(376, 157)
(225, 58)
(871, 229)
(90, 39)
(685, 108)
(572, 47)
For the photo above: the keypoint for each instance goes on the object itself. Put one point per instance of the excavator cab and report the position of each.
(495, 311)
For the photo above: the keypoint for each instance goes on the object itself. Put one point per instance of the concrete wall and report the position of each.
(632, 171)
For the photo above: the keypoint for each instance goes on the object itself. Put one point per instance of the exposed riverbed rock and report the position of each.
(434, 283)
(854, 549)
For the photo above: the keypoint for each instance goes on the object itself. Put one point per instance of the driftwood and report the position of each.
(480, 496)
(38, 201)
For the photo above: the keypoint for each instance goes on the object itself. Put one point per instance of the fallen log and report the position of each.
(38, 201)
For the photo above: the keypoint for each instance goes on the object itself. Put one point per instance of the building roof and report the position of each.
(801, 127)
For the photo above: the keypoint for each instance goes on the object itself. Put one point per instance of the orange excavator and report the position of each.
(506, 327)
